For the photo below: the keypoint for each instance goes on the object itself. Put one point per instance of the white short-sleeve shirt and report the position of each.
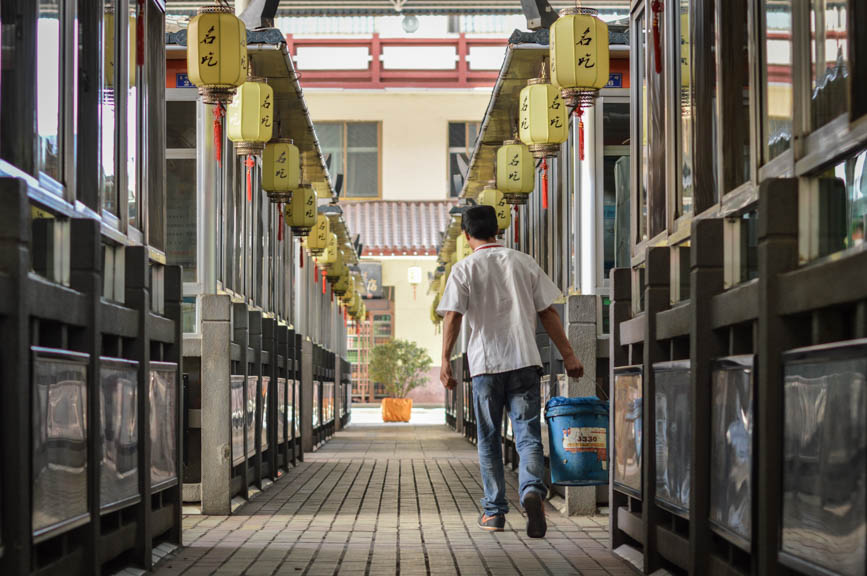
(499, 292)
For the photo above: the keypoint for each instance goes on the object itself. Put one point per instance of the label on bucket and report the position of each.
(579, 440)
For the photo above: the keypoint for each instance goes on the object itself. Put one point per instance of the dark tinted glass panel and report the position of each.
(180, 124)
(118, 414)
(316, 404)
(673, 434)
(59, 438)
(732, 446)
(627, 427)
(825, 457)
(162, 397)
(842, 205)
(181, 243)
(297, 408)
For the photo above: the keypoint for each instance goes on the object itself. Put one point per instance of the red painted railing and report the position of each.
(376, 76)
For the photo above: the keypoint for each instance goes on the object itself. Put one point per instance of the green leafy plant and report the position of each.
(400, 365)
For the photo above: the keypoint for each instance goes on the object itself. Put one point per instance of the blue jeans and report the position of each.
(518, 392)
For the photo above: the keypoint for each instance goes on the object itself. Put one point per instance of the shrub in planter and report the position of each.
(401, 366)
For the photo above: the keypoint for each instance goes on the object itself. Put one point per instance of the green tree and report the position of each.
(400, 365)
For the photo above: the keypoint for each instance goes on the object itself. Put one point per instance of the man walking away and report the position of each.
(500, 292)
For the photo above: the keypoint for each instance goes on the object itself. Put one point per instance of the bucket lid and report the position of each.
(558, 401)
(560, 406)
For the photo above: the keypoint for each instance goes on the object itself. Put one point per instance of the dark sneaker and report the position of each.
(494, 523)
(535, 509)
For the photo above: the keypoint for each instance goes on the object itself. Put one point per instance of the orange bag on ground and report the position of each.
(396, 409)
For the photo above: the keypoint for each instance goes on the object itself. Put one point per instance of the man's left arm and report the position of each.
(554, 327)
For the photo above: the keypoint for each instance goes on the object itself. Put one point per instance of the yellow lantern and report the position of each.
(491, 196)
(216, 53)
(341, 283)
(579, 55)
(516, 172)
(543, 116)
(300, 211)
(337, 268)
(317, 241)
(251, 117)
(329, 255)
(108, 33)
(281, 169)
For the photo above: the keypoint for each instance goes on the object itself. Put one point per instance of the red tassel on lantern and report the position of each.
(279, 222)
(580, 113)
(249, 164)
(218, 133)
(315, 274)
(324, 285)
(515, 225)
(301, 256)
(657, 8)
(544, 183)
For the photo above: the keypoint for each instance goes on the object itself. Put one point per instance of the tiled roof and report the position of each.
(398, 227)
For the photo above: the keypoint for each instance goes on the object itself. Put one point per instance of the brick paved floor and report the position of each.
(379, 500)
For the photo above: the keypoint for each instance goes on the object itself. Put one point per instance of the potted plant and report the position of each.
(401, 366)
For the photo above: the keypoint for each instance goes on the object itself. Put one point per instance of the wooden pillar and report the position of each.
(241, 337)
(15, 430)
(706, 281)
(137, 297)
(174, 291)
(619, 311)
(778, 253)
(657, 298)
(85, 276)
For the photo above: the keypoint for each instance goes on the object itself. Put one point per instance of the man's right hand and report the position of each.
(446, 376)
(573, 366)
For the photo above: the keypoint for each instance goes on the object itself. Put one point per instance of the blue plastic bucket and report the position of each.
(578, 440)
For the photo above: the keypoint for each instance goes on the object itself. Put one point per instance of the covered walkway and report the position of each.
(387, 500)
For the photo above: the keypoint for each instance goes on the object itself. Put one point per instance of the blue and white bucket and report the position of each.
(578, 440)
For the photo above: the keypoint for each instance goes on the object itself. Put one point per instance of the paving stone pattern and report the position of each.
(382, 500)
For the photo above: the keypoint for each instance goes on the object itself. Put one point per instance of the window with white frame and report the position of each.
(352, 149)
(462, 140)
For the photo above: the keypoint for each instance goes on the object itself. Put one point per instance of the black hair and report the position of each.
(480, 222)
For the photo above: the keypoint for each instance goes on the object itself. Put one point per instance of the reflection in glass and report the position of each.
(282, 413)
(118, 413)
(236, 392)
(673, 435)
(181, 222)
(59, 441)
(778, 77)
(107, 132)
(295, 407)
(825, 457)
(317, 407)
(731, 449)
(132, 117)
(641, 106)
(686, 109)
(250, 420)
(615, 185)
(829, 55)
(263, 436)
(843, 205)
(49, 83)
(627, 427)
(162, 396)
